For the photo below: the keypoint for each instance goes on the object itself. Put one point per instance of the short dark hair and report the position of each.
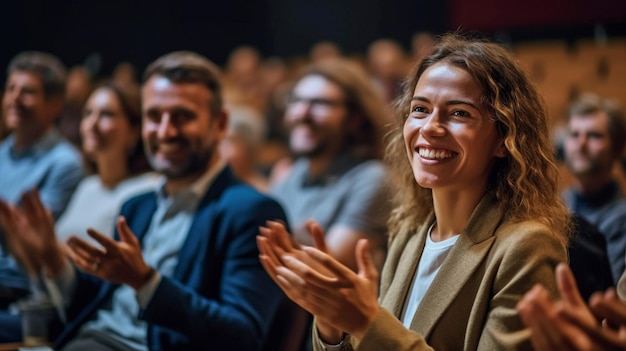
(51, 70)
(189, 67)
(588, 104)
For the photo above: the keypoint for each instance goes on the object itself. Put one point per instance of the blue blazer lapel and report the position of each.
(141, 225)
(200, 230)
(138, 213)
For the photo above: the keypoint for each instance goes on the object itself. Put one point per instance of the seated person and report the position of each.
(183, 270)
(110, 131)
(478, 220)
(34, 155)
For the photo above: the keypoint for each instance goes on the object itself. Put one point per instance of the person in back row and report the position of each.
(183, 271)
(596, 135)
(335, 121)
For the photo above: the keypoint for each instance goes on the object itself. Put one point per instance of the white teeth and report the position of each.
(434, 154)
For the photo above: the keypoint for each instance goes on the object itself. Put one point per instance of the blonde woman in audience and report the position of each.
(478, 220)
(111, 139)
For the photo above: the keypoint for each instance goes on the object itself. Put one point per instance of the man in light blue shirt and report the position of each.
(34, 155)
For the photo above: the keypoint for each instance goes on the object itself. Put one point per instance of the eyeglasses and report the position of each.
(317, 105)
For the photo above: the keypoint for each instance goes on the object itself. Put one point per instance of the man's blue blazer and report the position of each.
(219, 297)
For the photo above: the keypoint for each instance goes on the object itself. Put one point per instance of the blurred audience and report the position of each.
(596, 133)
(275, 75)
(275, 81)
(34, 155)
(389, 66)
(4, 131)
(124, 75)
(241, 145)
(79, 85)
(324, 51)
(242, 79)
(421, 44)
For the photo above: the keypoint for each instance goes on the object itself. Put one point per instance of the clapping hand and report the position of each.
(569, 324)
(30, 236)
(340, 299)
(120, 262)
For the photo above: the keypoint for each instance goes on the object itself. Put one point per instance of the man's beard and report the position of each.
(195, 163)
(591, 168)
(310, 153)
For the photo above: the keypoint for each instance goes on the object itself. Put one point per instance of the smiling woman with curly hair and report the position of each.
(478, 219)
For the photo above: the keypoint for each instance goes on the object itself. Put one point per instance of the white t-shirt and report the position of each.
(95, 206)
(434, 255)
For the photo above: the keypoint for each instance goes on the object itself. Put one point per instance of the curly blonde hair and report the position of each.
(525, 183)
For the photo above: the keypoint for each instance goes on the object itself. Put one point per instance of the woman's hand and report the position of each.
(340, 299)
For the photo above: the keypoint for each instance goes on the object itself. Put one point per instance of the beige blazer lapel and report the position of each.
(401, 264)
(464, 258)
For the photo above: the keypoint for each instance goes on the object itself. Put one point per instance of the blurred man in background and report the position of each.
(596, 133)
(34, 155)
(335, 119)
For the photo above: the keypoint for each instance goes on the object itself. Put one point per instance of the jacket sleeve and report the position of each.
(248, 299)
(526, 261)
(520, 261)
(385, 333)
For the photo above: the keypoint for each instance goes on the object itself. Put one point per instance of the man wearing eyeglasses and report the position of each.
(334, 117)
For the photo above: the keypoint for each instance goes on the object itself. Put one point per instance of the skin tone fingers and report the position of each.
(609, 306)
(85, 255)
(313, 277)
(126, 235)
(569, 324)
(317, 234)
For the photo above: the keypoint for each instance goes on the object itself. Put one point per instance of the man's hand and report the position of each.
(119, 262)
(569, 324)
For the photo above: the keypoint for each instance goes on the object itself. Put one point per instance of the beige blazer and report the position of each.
(470, 304)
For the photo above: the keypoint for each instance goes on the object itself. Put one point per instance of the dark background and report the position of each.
(138, 31)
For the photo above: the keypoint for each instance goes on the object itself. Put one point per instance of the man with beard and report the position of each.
(34, 155)
(184, 272)
(596, 133)
(334, 117)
